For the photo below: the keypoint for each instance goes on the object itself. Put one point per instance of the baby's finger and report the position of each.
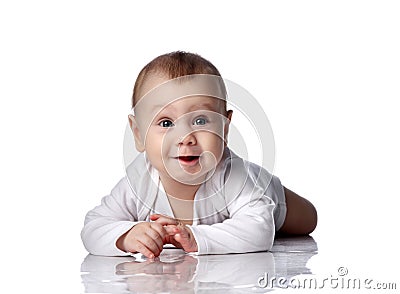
(163, 220)
(171, 229)
(186, 240)
(155, 216)
(150, 244)
(183, 239)
(175, 243)
(160, 229)
(141, 248)
(182, 235)
(156, 237)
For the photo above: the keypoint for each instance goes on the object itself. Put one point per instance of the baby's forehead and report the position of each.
(193, 103)
(160, 92)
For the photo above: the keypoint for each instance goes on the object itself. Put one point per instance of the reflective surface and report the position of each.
(178, 272)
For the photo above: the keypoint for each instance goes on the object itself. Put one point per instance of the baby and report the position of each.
(186, 187)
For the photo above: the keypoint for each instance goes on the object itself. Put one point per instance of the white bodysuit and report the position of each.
(237, 210)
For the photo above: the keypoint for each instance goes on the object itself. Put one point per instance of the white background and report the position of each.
(326, 73)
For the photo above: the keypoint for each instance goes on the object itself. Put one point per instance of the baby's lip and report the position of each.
(188, 153)
(188, 160)
(187, 157)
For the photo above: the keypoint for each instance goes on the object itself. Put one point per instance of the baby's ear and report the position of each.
(226, 128)
(136, 133)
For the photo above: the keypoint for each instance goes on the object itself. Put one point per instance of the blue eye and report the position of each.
(166, 123)
(200, 121)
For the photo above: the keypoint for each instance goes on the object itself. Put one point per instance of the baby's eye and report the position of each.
(200, 121)
(166, 123)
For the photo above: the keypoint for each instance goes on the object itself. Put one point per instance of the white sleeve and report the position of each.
(249, 229)
(111, 219)
(250, 226)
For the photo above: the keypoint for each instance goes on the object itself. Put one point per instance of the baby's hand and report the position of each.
(179, 234)
(147, 238)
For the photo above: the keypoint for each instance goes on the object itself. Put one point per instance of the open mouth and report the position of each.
(188, 160)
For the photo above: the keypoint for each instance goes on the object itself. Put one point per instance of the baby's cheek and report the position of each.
(214, 147)
(217, 143)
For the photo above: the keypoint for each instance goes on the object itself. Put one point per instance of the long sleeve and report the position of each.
(249, 229)
(248, 193)
(107, 222)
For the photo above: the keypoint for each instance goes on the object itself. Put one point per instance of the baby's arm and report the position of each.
(250, 228)
(106, 223)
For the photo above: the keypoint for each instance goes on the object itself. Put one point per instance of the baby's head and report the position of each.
(180, 117)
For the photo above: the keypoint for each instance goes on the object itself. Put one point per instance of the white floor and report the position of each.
(175, 271)
(294, 264)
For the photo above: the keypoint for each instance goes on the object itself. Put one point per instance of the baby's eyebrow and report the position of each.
(207, 106)
(170, 107)
(162, 106)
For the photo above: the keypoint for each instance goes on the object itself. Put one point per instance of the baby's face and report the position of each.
(182, 128)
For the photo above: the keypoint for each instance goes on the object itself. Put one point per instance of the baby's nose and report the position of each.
(189, 139)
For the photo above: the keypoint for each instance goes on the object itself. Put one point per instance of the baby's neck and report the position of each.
(178, 190)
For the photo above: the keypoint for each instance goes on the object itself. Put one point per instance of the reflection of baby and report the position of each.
(176, 271)
(187, 188)
(157, 276)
